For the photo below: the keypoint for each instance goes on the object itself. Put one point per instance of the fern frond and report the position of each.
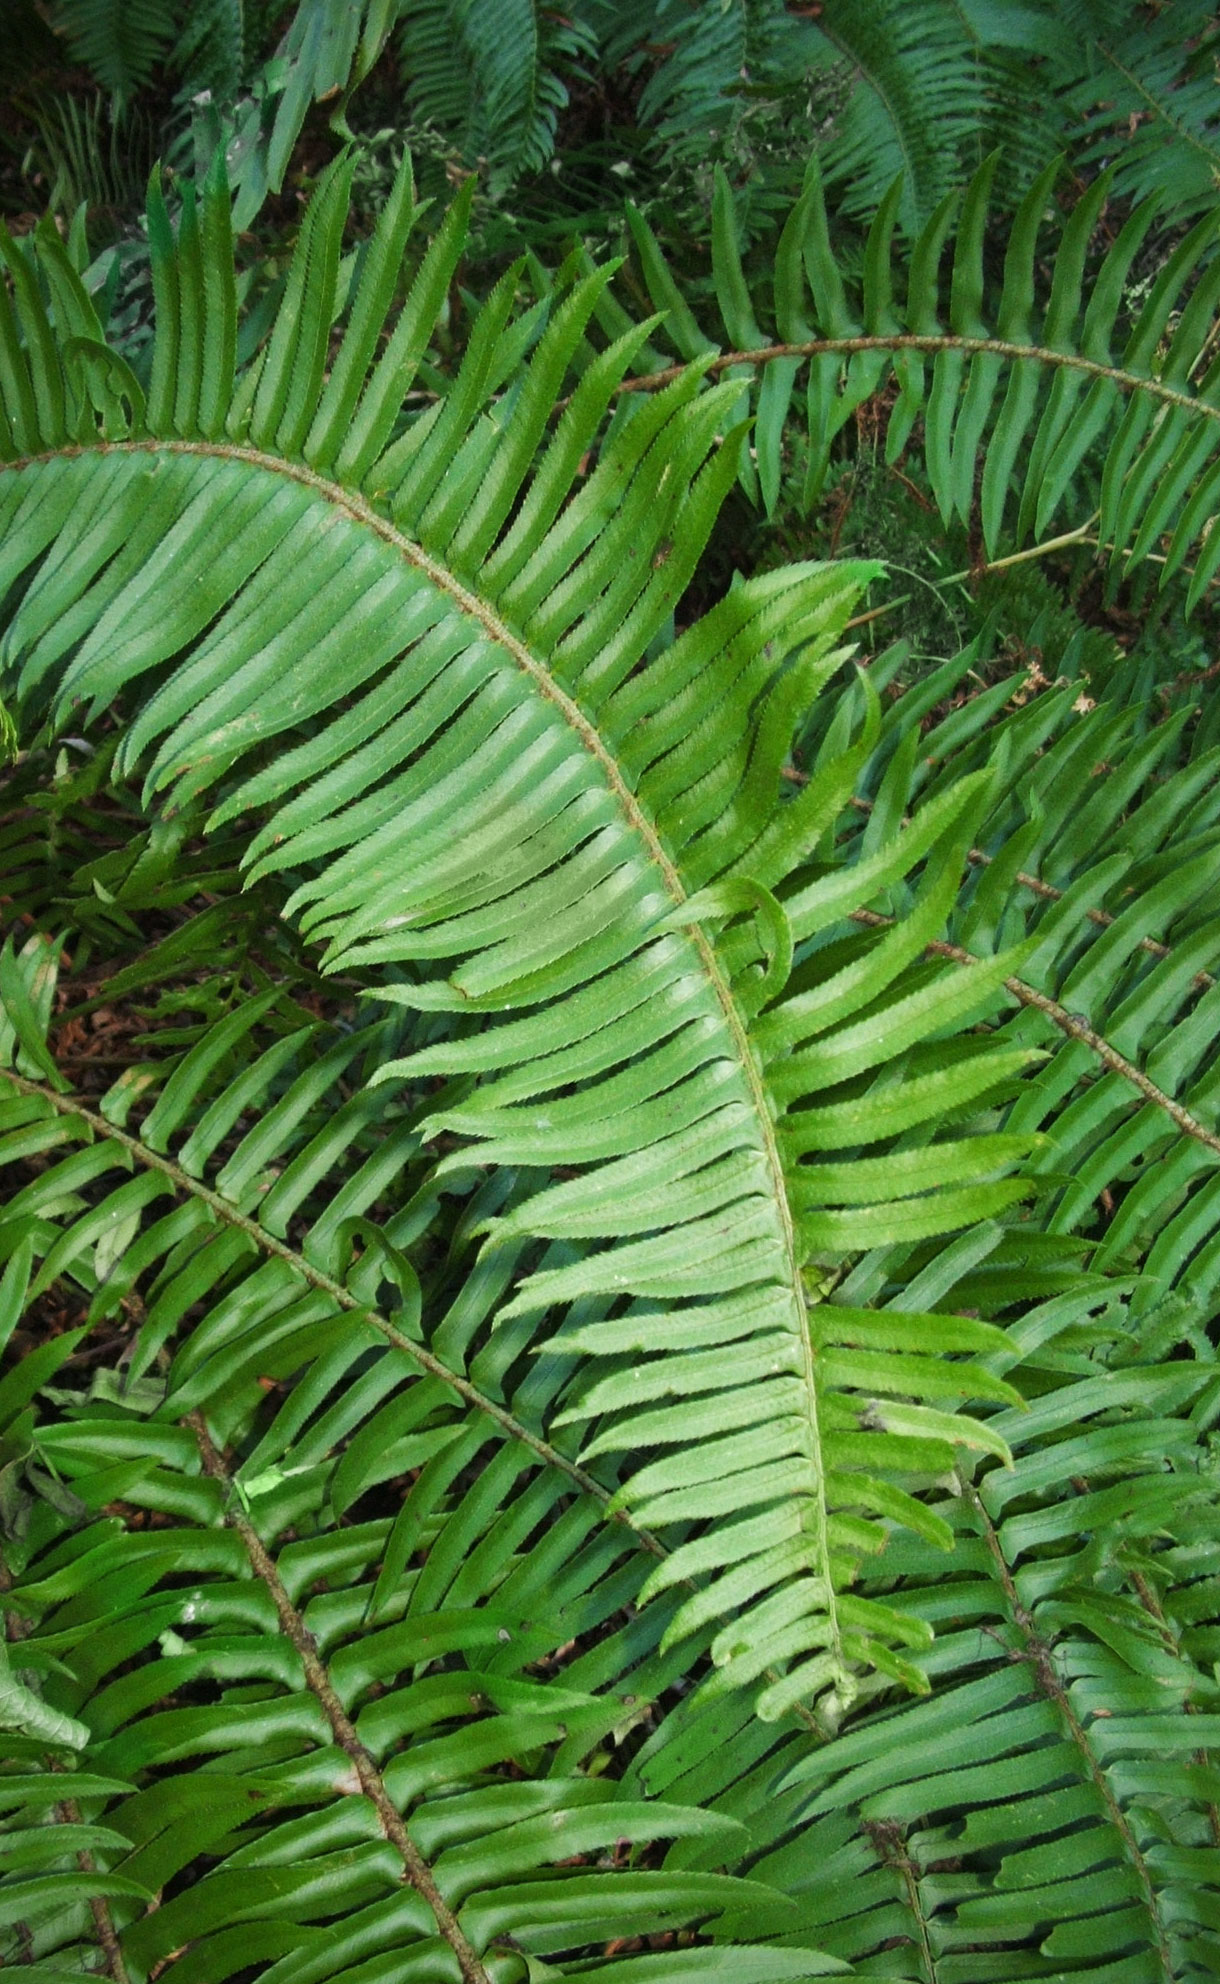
(501, 800)
(1143, 84)
(493, 78)
(1014, 408)
(1040, 1806)
(210, 50)
(713, 57)
(120, 42)
(327, 50)
(915, 103)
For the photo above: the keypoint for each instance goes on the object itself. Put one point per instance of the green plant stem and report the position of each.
(293, 1626)
(1081, 535)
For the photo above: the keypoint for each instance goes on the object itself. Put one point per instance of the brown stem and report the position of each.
(1074, 1027)
(68, 1813)
(930, 342)
(1042, 1666)
(416, 1868)
(891, 1847)
(1202, 980)
(1102, 917)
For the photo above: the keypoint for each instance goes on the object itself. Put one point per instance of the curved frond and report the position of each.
(425, 671)
(1018, 408)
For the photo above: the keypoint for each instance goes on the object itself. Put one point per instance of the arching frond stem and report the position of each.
(361, 511)
(968, 347)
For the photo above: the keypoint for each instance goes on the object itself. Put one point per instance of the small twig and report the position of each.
(891, 606)
(1044, 550)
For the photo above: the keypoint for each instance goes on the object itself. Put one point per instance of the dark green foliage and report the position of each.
(119, 41)
(493, 77)
(1147, 93)
(610, 1240)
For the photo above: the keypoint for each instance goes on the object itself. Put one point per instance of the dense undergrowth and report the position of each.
(608, 1107)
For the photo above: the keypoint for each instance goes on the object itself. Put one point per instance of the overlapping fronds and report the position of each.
(543, 1322)
(618, 831)
(1027, 406)
(302, 1665)
(1052, 1810)
(915, 101)
(715, 60)
(423, 669)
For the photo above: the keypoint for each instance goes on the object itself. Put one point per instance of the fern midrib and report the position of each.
(318, 1681)
(362, 512)
(1070, 1024)
(876, 83)
(889, 1842)
(269, 1243)
(933, 342)
(1159, 108)
(1038, 1655)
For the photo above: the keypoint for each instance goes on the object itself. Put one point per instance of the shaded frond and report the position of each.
(1143, 83)
(492, 77)
(120, 42)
